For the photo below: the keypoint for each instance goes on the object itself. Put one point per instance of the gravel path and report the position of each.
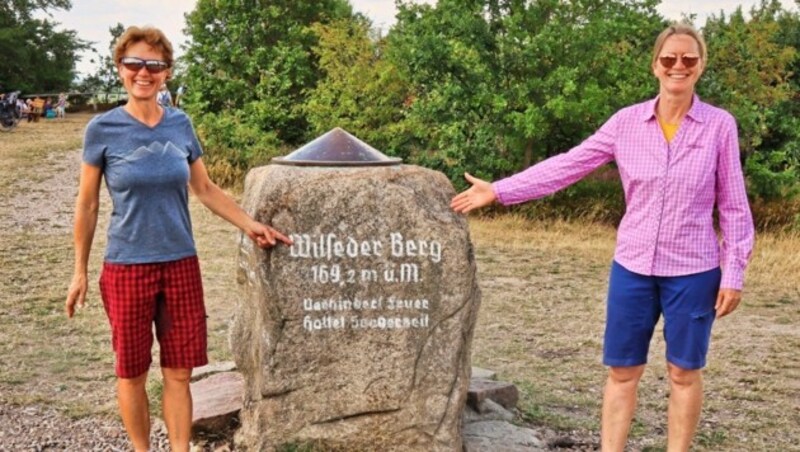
(34, 428)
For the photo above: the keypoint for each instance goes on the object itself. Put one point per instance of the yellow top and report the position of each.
(669, 129)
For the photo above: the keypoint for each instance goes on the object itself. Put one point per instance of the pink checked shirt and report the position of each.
(670, 190)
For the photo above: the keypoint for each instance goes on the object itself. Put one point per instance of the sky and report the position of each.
(93, 18)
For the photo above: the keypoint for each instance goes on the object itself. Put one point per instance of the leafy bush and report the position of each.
(773, 176)
(233, 146)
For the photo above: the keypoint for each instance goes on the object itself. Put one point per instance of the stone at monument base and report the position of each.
(216, 402)
(482, 431)
(500, 436)
(358, 336)
(481, 389)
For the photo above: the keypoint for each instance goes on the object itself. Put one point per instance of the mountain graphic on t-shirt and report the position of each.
(157, 150)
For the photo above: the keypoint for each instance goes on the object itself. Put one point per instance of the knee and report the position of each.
(132, 384)
(174, 376)
(625, 375)
(683, 377)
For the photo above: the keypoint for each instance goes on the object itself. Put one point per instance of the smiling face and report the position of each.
(678, 79)
(141, 85)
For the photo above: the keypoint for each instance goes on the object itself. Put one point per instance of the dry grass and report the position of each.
(540, 323)
(45, 357)
(541, 326)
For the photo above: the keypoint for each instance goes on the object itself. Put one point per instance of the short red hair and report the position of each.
(152, 36)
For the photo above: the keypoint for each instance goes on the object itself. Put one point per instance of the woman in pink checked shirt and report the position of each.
(677, 157)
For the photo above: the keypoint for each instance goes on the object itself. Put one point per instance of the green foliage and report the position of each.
(446, 55)
(360, 91)
(38, 56)
(106, 78)
(747, 71)
(774, 175)
(249, 68)
(485, 86)
(750, 74)
(254, 58)
(234, 146)
(498, 85)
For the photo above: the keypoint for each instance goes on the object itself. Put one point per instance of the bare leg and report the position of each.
(685, 403)
(619, 404)
(177, 403)
(135, 410)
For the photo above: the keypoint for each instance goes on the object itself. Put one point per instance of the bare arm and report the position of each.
(86, 208)
(221, 204)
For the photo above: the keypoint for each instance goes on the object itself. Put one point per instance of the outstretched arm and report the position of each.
(221, 204)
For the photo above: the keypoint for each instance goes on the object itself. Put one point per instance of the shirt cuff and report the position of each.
(497, 188)
(732, 279)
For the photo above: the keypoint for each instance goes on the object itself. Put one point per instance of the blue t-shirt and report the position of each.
(147, 174)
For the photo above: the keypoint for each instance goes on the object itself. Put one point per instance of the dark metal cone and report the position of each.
(337, 148)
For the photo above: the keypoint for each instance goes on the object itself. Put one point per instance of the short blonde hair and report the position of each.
(680, 28)
(152, 36)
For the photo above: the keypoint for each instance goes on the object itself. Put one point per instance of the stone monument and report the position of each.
(358, 336)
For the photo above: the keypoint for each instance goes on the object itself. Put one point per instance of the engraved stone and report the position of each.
(358, 336)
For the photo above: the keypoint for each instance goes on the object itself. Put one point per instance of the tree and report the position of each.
(105, 79)
(569, 65)
(249, 70)
(499, 84)
(251, 62)
(750, 74)
(448, 56)
(783, 122)
(40, 57)
(360, 91)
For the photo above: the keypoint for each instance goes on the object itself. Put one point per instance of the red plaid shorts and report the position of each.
(169, 294)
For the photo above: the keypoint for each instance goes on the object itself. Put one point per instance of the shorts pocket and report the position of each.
(703, 315)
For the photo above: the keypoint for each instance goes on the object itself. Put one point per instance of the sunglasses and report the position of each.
(689, 61)
(136, 64)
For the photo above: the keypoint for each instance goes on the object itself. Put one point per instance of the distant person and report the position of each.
(36, 109)
(179, 95)
(678, 157)
(29, 109)
(61, 106)
(22, 107)
(48, 111)
(164, 97)
(150, 157)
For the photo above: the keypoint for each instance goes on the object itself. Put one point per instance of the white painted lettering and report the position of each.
(411, 247)
(352, 247)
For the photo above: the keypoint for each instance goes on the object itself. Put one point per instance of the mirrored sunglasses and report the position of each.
(136, 64)
(689, 61)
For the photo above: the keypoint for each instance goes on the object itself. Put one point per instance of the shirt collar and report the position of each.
(696, 112)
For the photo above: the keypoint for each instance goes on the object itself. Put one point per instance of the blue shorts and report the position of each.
(635, 303)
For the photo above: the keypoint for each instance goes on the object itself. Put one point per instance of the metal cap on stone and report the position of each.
(337, 148)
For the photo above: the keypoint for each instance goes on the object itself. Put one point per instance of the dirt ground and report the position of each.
(540, 324)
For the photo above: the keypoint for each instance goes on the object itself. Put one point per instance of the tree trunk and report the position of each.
(527, 158)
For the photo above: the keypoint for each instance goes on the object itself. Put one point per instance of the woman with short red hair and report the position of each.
(150, 157)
